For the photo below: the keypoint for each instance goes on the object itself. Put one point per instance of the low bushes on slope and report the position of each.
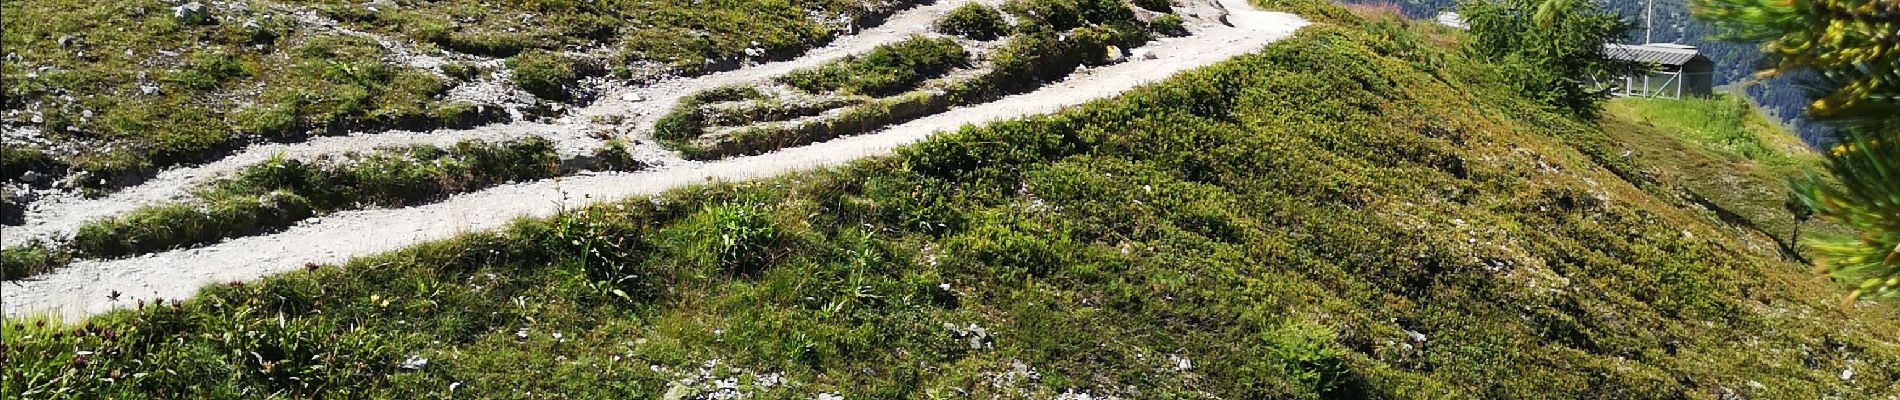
(143, 88)
(278, 193)
(686, 36)
(885, 70)
(544, 74)
(976, 21)
(1063, 15)
(686, 120)
(1022, 64)
(30, 259)
(146, 84)
(1322, 219)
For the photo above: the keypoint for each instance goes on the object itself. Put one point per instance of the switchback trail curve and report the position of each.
(82, 289)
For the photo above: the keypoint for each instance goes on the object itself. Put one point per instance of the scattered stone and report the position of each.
(30, 177)
(68, 41)
(189, 12)
(1142, 54)
(1181, 364)
(633, 97)
(415, 363)
(975, 335)
(378, 5)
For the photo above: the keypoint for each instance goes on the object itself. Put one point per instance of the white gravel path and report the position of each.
(56, 218)
(81, 289)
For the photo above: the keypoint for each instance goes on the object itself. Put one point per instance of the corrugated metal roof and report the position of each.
(1663, 54)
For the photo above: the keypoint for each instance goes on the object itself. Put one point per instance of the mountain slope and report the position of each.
(1781, 97)
(1724, 155)
(1344, 214)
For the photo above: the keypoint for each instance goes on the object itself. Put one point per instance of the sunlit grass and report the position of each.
(1321, 219)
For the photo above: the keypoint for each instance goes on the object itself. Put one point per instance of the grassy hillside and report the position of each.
(1344, 214)
(1724, 152)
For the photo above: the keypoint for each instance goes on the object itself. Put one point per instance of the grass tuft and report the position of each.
(545, 74)
(975, 21)
(278, 193)
(885, 70)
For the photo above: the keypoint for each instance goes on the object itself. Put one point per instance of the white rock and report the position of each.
(189, 11)
(1142, 54)
(415, 363)
(633, 97)
(1415, 336)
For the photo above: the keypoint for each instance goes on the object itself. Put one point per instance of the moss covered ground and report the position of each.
(1336, 216)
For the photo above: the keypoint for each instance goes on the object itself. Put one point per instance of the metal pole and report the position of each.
(1649, 22)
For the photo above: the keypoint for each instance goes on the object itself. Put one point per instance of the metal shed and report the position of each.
(1679, 71)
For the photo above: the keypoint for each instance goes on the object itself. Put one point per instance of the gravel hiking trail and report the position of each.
(82, 288)
(572, 133)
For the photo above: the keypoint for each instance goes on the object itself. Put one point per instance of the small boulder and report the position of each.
(379, 5)
(193, 12)
(1142, 54)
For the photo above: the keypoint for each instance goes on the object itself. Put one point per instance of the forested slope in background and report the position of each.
(1781, 98)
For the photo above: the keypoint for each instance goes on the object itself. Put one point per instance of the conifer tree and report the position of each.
(1549, 49)
(1849, 46)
